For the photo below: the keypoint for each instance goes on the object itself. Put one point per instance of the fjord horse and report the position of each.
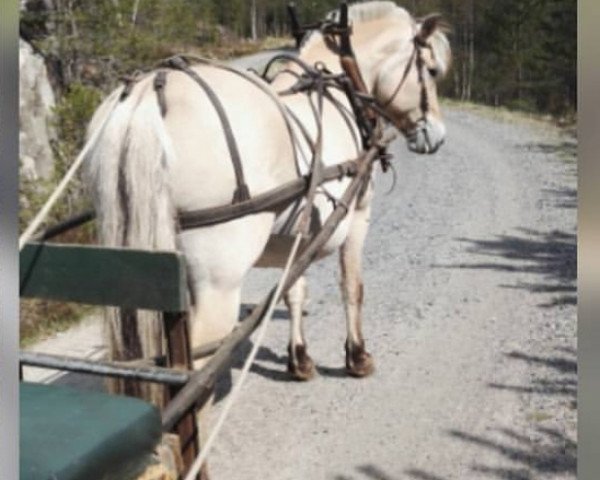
(154, 159)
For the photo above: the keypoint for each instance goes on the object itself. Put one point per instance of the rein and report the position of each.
(417, 57)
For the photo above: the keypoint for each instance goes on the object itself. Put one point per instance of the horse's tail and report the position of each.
(126, 169)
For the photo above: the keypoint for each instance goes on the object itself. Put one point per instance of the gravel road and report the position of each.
(470, 314)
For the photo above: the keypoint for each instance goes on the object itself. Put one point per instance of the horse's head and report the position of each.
(400, 59)
(405, 85)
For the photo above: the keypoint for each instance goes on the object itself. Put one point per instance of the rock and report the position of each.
(35, 110)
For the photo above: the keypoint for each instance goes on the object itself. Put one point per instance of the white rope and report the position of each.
(59, 190)
(205, 449)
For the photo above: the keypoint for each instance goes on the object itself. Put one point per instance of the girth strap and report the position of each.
(242, 193)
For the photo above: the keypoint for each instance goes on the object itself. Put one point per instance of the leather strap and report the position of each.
(241, 193)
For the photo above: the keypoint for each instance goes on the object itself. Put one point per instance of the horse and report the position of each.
(162, 149)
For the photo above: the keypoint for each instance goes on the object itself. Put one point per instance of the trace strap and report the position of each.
(242, 193)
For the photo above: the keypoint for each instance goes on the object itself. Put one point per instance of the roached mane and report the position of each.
(362, 12)
(373, 10)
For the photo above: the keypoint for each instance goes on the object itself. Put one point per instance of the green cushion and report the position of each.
(67, 434)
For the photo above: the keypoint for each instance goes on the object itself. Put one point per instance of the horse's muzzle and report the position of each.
(427, 137)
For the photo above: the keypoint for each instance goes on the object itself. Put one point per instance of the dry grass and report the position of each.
(41, 319)
(505, 114)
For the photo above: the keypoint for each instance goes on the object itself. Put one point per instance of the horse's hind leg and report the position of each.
(300, 365)
(213, 317)
(359, 362)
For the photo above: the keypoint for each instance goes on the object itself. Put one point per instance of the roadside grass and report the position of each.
(538, 416)
(41, 319)
(566, 122)
(564, 129)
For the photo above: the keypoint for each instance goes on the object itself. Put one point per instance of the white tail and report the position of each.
(126, 171)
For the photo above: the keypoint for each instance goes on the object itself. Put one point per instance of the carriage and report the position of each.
(153, 270)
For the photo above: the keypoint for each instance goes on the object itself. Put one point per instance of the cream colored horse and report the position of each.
(383, 40)
(146, 167)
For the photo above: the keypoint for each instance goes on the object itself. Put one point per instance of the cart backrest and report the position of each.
(121, 277)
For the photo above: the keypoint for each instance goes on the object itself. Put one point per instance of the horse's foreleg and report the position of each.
(300, 365)
(359, 362)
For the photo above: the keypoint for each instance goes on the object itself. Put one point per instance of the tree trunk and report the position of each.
(471, 49)
(253, 20)
(134, 13)
(464, 72)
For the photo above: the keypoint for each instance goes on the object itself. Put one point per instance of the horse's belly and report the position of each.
(279, 246)
(277, 251)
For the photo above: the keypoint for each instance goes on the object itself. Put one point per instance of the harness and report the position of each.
(417, 57)
(364, 113)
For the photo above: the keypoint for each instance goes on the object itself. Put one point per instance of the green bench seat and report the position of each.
(67, 434)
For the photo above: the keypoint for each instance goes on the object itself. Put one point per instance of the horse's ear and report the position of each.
(428, 25)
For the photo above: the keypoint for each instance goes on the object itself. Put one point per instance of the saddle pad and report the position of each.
(67, 434)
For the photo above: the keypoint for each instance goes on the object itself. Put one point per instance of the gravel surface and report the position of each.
(470, 314)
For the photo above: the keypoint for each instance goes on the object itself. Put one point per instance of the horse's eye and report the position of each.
(433, 72)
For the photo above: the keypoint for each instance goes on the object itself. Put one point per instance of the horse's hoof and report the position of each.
(300, 366)
(359, 362)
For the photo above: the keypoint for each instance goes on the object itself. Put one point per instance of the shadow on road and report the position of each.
(551, 255)
(368, 472)
(548, 452)
(556, 375)
(373, 472)
(566, 149)
(563, 197)
(541, 451)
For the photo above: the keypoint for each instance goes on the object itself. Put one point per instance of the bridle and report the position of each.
(336, 35)
(343, 49)
(417, 57)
